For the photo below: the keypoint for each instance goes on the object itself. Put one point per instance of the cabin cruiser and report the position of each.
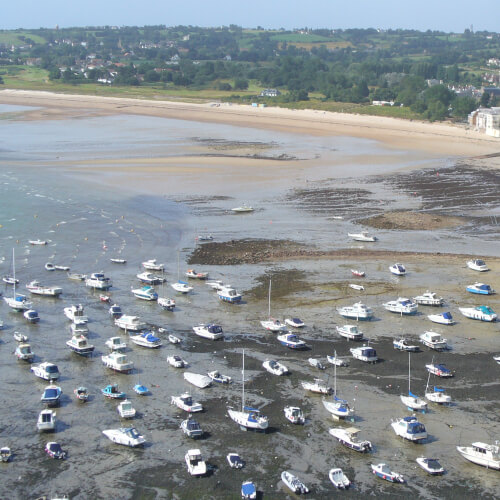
(219, 378)
(291, 341)
(477, 265)
(363, 236)
(145, 293)
(75, 314)
(31, 316)
(318, 386)
(150, 278)
(118, 362)
(132, 323)
(125, 409)
(37, 288)
(274, 367)
(23, 351)
(294, 414)
(80, 345)
(54, 450)
(482, 313)
(434, 341)
(127, 436)
(487, 455)
(364, 353)
(228, 294)
(111, 392)
(46, 420)
(398, 269)
(166, 303)
(442, 318)
(46, 371)
(350, 332)
(195, 463)
(209, 331)
(115, 311)
(405, 345)
(235, 461)
(98, 281)
(349, 437)
(401, 306)
(480, 289)
(51, 395)
(191, 428)
(152, 265)
(295, 322)
(339, 479)
(409, 428)
(384, 472)
(358, 311)
(294, 483)
(429, 299)
(116, 344)
(146, 339)
(185, 402)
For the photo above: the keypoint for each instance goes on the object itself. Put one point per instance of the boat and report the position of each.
(294, 414)
(316, 363)
(181, 287)
(318, 386)
(247, 417)
(20, 337)
(81, 393)
(191, 273)
(152, 265)
(51, 395)
(49, 266)
(357, 311)
(401, 306)
(115, 311)
(295, 322)
(409, 428)
(77, 276)
(125, 409)
(438, 395)
(166, 303)
(235, 461)
(271, 324)
(191, 428)
(350, 332)
(140, 389)
(412, 401)
(173, 339)
(358, 273)
(439, 369)
(274, 367)
(364, 353)
(356, 287)
(132, 323)
(429, 299)
(291, 341)
(442, 318)
(46, 420)
(79, 329)
(480, 289)
(150, 278)
(398, 269)
(146, 339)
(24, 352)
(363, 236)
(80, 345)
(145, 293)
(338, 407)
(46, 371)
(198, 380)
(434, 341)
(243, 209)
(185, 402)
(218, 377)
(209, 331)
(497, 359)
(176, 361)
(248, 491)
(205, 237)
(117, 260)
(18, 302)
(384, 472)
(104, 298)
(335, 360)
(37, 242)
(54, 450)
(405, 345)
(118, 362)
(216, 284)
(98, 281)
(487, 455)
(5, 454)
(111, 392)
(127, 436)
(31, 316)
(477, 265)
(76, 314)
(349, 438)
(229, 294)
(195, 463)
(339, 479)
(61, 268)
(430, 465)
(10, 280)
(116, 344)
(481, 313)
(294, 483)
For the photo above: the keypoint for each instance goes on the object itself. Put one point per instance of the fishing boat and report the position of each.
(23, 352)
(291, 341)
(430, 465)
(82, 394)
(77, 276)
(365, 353)
(480, 289)
(115, 311)
(132, 323)
(197, 379)
(152, 265)
(429, 299)
(247, 417)
(384, 472)
(54, 450)
(295, 415)
(150, 278)
(46, 420)
(398, 269)
(350, 332)
(20, 337)
(125, 409)
(209, 331)
(118, 362)
(442, 318)
(173, 339)
(316, 363)
(166, 303)
(31, 316)
(439, 370)
(481, 313)
(339, 479)
(405, 345)
(357, 311)
(111, 392)
(80, 345)
(176, 361)
(235, 461)
(318, 386)
(185, 402)
(487, 455)
(229, 294)
(434, 341)
(336, 360)
(181, 287)
(219, 378)
(363, 236)
(412, 401)
(5, 454)
(294, 483)
(401, 306)
(98, 281)
(356, 287)
(146, 339)
(46, 371)
(271, 324)
(37, 242)
(140, 389)
(409, 428)
(76, 314)
(242, 210)
(248, 491)
(116, 344)
(145, 293)
(117, 260)
(358, 273)
(51, 395)
(477, 265)
(274, 367)
(349, 438)
(338, 407)
(191, 428)
(127, 436)
(195, 463)
(191, 273)
(295, 322)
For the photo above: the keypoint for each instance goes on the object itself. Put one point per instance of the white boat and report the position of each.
(316, 363)
(49, 266)
(173, 339)
(117, 260)
(350, 332)
(116, 344)
(176, 361)
(216, 284)
(487, 455)
(20, 337)
(438, 395)
(398, 269)
(339, 479)
(401, 306)
(132, 323)
(429, 299)
(247, 417)
(439, 370)
(80, 345)
(497, 359)
(205, 237)
(146, 339)
(291, 341)
(242, 209)
(358, 273)
(318, 386)
(338, 407)
(31, 316)
(195, 463)
(198, 380)
(118, 362)
(405, 345)
(10, 280)
(477, 265)
(295, 322)
(125, 409)
(411, 400)
(430, 465)
(349, 438)
(335, 360)
(51, 395)
(46, 371)
(5, 454)
(365, 353)
(409, 428)
(191, 273)
(181, 287)
(481, 313)
(219, 378)
(274, 367)
(294, 414)
(185, 402)
(209, 331)
(191, 428)
(166, 303)
(358, 311)
(235, 461)
(115, 311)
(363, 236)
(442, 318)
(294, 483)
(127, 436)
(46, 420)
(77, 276)
(434, 341)
(145, 293)
(37, 242)
(152, 265)
(150, 278)
(76, 314)
(17, 302)
(271, 324)
(24, 352)
(480, 289)
(384, 472)
(98, 281)
(356, 287)
(229, 294)
(61, 268)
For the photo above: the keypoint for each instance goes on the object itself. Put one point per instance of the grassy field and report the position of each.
(12, 37)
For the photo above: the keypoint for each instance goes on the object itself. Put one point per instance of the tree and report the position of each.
(240, 84)
(485, 100)
(463, 106)
(436, 111)
(1, 81)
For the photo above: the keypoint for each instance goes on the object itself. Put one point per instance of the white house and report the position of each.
(486, 120)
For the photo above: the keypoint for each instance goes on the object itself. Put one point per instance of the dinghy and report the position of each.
(235, 461)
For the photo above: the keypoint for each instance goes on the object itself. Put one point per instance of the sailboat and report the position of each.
(338, 407)
(438, 395)
(180, 286)
(271, 324)
(247, 418)
(17, 302)
(412, 401)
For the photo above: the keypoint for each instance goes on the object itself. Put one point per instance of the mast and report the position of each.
(409, 361)
(269, 300)
(243, 384)
(335, 377)
(14, 272)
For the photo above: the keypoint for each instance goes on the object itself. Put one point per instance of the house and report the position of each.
(486, 120)
(383, 103)
(270, 93)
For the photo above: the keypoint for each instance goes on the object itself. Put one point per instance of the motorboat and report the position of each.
(116, 344)
(152, 265)
(18, 302)
(358, 273)
(49, 266)
(46, 371)
(77, 276)
(487, 455)
(294, 483)
(235, 461)
(354, 286)
(118, 362)
(350, 332)
(242, 209)
(118, 260)
(23, 352)
(145, 293)
(430, 465)
(111, 392)
(219, 378)
(216, 285)
(429, 299)
(150, 278)
(434, 341)
(20, 337)
(357, 311)
(410, 400)
(209, 331)
(51, 395)
(349, 438)
(173, 339)
(274, 325)
(98, 281)
(248, 491)
(229, 294)
(191, 273)
(185, 402)
(104, 298)
(480, 289)
(37, 242)
(384, 472)
(295, 415)
(477, 265)
(409, 428)
(127, 436)
(438, 395)
(364, 353)
(444, 318)
(80, 345)
(75, 313)
(125, 409)
(54, 450)
(36, 288)
(10, 280)
(31, 316)
(295, 322)
(79, 329)
(316, 363)
(197, 379)
(439, 370)
(81, 393)
(401, 306)
(291, 341)
(339, 479)
(176, 361)
(274, 367)
(318, 386)
(336, 360)
(46, 420)
(398, 269)
(363, 236)
(481, 313)
(195, 463)
(405, 345)
(140, 389)
(166, 304)
(115, 311)
(132, 323)
(191, 428)
(146, 339)
(5, 454)
(181, 287)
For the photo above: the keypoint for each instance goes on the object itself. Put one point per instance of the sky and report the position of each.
(443, 15)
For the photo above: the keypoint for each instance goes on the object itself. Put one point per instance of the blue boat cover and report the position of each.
(447, 315)
(249, 408)
(149, 337)
(442, 368)
(412, 395)
(438, 389)
(214, 329)
(339, 400)
(486, 309)
(248, 489)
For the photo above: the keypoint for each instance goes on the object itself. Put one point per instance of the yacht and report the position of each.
(274, 325)
(181, 287)
(146, 339)
(118, 362)
(480, 289)
(349, 437)
(80, 345)
(350, 332)
(150, 278)
(132, 323)
(398, 269)
(318, 386)
(98, 281)
(444, 318)
(429, 299)
(487, 455)
(209, 331)
(358, 311)
(409, 428)
(75, 314)
(191, 428)
(401, 306)
(274, 367)
(36, 288)
(46, 371)
(18, 302)
(291, 341)
(195, 463)
(51, 395)
(477, 265)
(482, 313)
(145, 293)
(127, 436)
